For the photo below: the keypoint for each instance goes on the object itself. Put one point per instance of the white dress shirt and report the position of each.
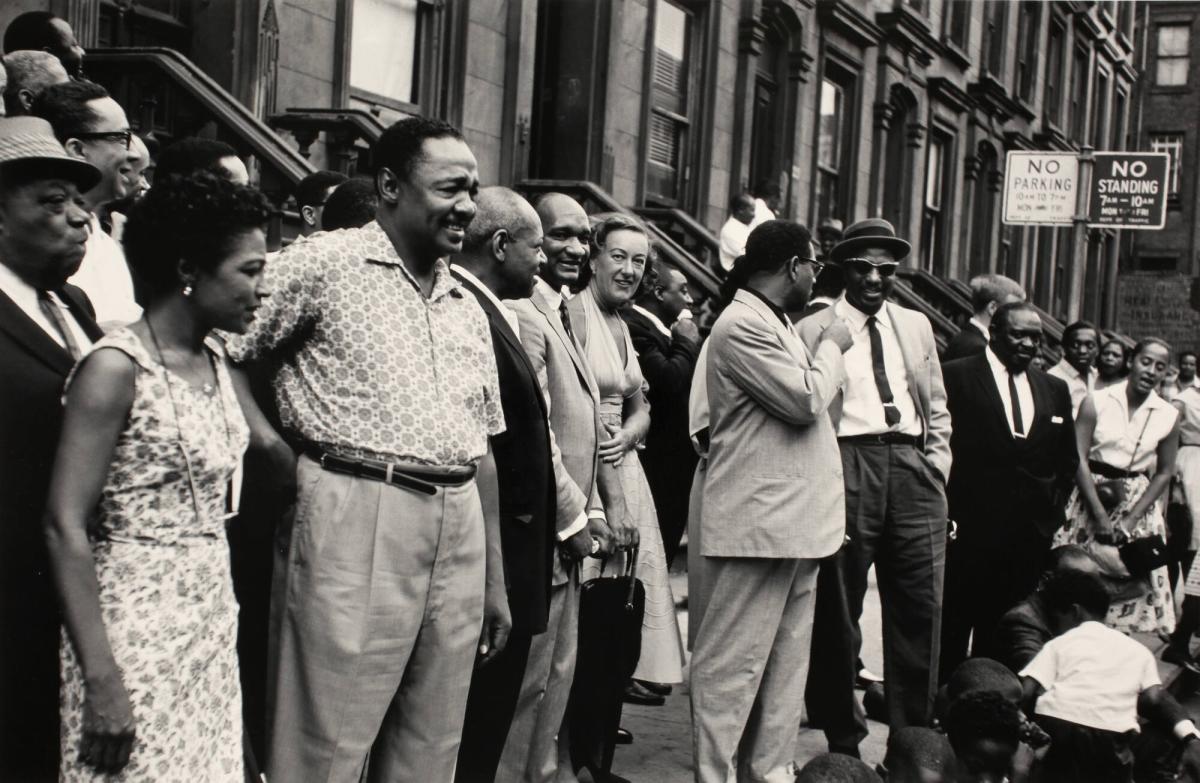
(762, 213)
(733, 241)
(104, 276)
(987, 335)
(862, 409)
(1079, 388)
(1024, 393)
(1130, 442)
(510, 317)
(25, 297)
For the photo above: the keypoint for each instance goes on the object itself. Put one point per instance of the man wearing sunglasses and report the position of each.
(894, 435)
(93, 127)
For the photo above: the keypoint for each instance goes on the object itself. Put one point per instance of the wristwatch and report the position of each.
(595, 545)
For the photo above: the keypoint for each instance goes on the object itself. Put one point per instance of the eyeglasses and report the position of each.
(816, 265)
(124, 137)
(863, 266)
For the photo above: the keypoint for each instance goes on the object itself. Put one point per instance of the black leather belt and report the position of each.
(414, 477)
(1110, 471)
(882, 439)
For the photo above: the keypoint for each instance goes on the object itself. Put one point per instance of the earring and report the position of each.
(187, 290)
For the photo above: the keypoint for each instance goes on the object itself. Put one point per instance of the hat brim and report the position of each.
(83, 174)
(899, 248)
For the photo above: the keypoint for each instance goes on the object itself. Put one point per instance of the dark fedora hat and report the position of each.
(872, 232)
(30, 141)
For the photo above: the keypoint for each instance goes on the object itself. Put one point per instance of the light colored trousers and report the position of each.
(537, 746)
(749, 668)
(376, 622)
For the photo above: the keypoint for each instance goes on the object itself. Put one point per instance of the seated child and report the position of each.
(1085, 685)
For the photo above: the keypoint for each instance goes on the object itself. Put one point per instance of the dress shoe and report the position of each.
(636, 694)
(624, 737)
(865, 678)
(1174, 655)
(659, 688)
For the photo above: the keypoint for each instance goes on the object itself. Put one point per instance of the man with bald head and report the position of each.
(537, 742)
(501, 254)
(29, 72)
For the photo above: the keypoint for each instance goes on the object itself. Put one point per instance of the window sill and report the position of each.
(1170, 89)
(955, 54)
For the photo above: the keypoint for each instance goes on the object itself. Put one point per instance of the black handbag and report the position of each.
(610, 643)
(1143, 555)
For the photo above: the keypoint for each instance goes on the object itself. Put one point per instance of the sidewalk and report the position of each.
(662, 747)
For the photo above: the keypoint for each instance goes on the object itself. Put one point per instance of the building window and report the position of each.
(1079, 86)
(1027, 41)
(1125, 19)
(385, 49)
(1052, 97)
(834, 143)
(1116, 126)
(1172, 144)
(1171, 48)
(939, 179)
(958, 23)
(1100, 110)
(995, 28)
(671, 88)
(983, 221)
(829, 148)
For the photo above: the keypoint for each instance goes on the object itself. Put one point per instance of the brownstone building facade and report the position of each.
(903, 108)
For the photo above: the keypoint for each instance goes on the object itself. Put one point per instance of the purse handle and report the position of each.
(1138, 443)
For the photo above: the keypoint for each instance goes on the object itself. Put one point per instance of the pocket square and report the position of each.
(1056, 419)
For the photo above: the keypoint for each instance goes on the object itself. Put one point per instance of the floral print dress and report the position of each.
(166, 594)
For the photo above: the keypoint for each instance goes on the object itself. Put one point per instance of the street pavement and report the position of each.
(662, 747)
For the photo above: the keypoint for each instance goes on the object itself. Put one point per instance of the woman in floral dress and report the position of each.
(1127, 437)
(140, 496)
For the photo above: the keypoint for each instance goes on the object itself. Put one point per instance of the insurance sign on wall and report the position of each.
(1040, 187)
(1129, 190)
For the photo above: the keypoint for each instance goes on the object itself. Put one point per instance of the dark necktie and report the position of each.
(55, 314)
(566, 319)
(891, 414)
(1017, 422)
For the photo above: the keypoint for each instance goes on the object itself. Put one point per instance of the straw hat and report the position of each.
(31, 139)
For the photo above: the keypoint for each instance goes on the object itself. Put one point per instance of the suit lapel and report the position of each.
(556, 326)
(1041, 402)
(907, 347)
(73, 298)
(500, 326)
(787, 334)
(987, 385)
(33, 338)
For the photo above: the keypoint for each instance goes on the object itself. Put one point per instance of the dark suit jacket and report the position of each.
(1022, 633)
(996, 480)
(526, 477)
(968, 342)
(33, 369)
(667, 364)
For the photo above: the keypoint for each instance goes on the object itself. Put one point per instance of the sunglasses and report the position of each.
(124, 137)
(816, 265)
(863, 266)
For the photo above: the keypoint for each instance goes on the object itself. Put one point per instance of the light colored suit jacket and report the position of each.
(915, 336)
(574, 404)
(774, 482)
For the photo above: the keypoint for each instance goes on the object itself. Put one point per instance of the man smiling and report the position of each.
(894, 433)
(389, 381)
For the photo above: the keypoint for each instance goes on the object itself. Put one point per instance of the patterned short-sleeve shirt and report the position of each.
(368, 366)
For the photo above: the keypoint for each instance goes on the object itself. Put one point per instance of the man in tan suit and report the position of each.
(772, 506)
(893, 430)
(532, 751)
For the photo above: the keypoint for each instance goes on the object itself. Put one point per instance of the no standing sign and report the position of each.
(1129, 190)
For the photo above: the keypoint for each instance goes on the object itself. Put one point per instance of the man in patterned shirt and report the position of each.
(388, 379)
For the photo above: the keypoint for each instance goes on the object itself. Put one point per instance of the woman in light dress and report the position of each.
(1127, 437)
(619, 257)
(140, 497)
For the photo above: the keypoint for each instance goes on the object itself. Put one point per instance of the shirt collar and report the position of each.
(652, 318)
(553, 297)
(983, 329)
(378, 248)
(466, 274)
(23, 294)
(998, 367)
(1066, 367)
(779, 313)
(857, 318)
